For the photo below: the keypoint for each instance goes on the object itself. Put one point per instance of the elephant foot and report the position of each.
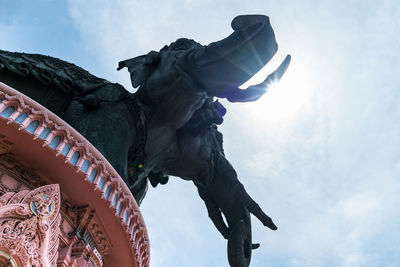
(269, 223)
(264, 218)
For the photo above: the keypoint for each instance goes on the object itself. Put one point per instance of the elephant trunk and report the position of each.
(240, 241)
(230, 62)
(229, 196)
(227, 193)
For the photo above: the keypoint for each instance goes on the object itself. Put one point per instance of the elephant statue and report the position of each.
(168, 126)
(200, 158)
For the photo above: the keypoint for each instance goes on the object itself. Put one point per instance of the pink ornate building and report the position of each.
(61, 202)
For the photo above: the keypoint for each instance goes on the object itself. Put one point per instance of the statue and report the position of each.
(169, 125)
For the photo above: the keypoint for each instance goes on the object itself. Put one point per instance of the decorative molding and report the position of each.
(76, 142)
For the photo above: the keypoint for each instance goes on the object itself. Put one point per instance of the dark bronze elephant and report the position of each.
(168, 126)
(200, 158)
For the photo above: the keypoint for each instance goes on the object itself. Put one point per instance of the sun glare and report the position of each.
(284, 100)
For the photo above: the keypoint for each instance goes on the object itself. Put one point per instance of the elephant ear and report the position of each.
(140, 67)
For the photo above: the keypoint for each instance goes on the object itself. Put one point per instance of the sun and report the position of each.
(285, 100)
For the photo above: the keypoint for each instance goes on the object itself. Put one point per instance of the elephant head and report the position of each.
(217, 69)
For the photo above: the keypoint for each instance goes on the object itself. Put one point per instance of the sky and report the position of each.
(320, 152)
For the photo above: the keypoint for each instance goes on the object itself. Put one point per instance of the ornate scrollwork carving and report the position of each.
(21, 238)
(31, 227)
(98, 234)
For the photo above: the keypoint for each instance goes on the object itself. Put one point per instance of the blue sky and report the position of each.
(319, 152)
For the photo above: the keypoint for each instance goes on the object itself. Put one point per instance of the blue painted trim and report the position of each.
(85, 166)
(108, 192)
(101, 183)
(115, 200)
(93, 175)
(55, 141)
(44, 133)
(126, 216)
(120, 208)
(32, 126)
(66, 149)
(20, 119)
(75, 158)
(7, 112)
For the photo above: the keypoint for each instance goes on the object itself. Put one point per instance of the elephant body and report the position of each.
(97, 109)
(168, 126)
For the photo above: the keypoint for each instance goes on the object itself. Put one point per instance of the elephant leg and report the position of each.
(214, 213)
(254, 208)
(225, 172)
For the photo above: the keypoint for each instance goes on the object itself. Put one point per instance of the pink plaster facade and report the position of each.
(61, 202)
